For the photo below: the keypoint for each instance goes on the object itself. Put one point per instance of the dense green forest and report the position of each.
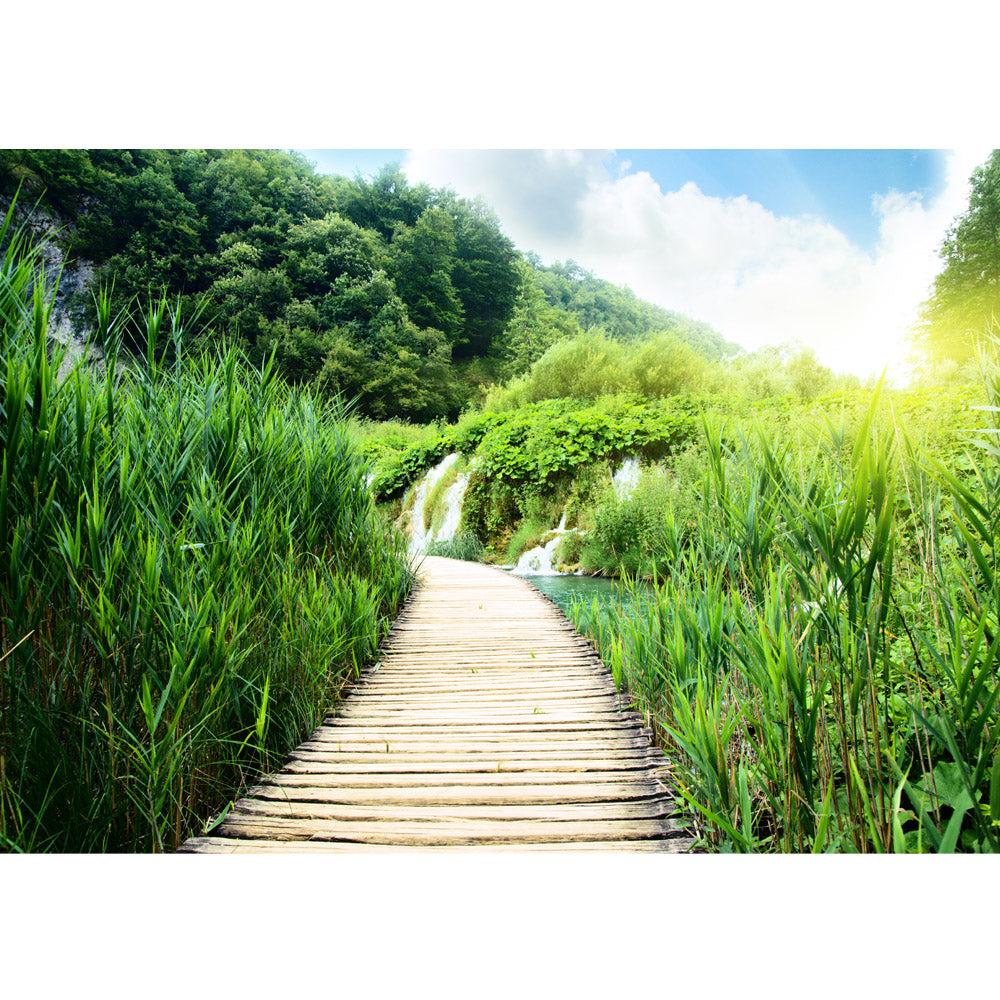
(406, 298)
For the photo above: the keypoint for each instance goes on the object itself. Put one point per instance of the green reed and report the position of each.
(192, 569)
(819, 663)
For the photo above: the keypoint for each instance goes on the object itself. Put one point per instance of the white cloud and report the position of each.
(756, 277)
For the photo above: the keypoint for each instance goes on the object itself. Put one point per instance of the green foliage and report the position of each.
(597, 304)
(423, 258)
(638, 535)
(591, 365)
(769, 372)
(544, 440)
(533, 328)
(964, 306)
(464, 545)
(192, 569)
(817, 658)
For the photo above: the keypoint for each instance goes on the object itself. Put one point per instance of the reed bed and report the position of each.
(820, 661)
(192, 568)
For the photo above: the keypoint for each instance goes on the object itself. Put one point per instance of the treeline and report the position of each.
(408, 298)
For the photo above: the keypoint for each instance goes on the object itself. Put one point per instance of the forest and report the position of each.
(405, 299)
(811, 558)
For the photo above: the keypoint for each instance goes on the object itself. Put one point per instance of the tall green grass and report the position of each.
(191, 569)
(819, 661)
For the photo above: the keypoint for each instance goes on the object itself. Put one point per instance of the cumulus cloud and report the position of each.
(536, 192)
(757, 277)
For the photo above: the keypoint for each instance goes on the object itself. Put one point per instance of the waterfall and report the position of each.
(626, 479)
(452, 502)
(450, 506)
(538, 561)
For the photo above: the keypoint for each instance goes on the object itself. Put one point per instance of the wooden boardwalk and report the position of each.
(488, 724)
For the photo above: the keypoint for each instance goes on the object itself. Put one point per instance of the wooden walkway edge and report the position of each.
(488, 724)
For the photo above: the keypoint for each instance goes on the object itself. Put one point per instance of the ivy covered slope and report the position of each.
(408, 299)
(549, 442)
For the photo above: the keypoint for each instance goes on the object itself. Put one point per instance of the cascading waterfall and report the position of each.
(452, 502)
(626, 479)
(538, 561)
(421, 538)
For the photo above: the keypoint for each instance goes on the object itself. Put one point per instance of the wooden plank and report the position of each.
(424, 764)
(269, 800)
(315, 776)
(446, 833)
(226, 845)
(530, 724)
(462, 795)
(492, 748)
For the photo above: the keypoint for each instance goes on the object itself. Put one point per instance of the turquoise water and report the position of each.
(564, 590)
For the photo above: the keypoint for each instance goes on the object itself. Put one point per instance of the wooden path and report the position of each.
(488, 724)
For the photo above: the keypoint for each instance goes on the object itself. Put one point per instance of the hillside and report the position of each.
(407, 298)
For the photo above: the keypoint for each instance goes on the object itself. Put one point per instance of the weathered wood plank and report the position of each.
(446, 833)
(461, 795)
(225, 845)
(409, 764)
(316, 777)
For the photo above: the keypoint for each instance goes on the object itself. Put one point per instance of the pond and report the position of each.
(610, 594)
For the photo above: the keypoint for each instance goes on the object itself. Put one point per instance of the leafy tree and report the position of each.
(422, 259)
(533, 327)
(321, 251)
(382, 203)
(965, 301)
(407, 375)
(485, 273)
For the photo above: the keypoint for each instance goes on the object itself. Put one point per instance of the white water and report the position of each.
(626, 479)
(421, 538)
(538, 561)
(452, 501)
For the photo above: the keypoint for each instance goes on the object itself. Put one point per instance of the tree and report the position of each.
(485, 273)
(965, 301)
(533, 328)
(422, 259)
(383, 202)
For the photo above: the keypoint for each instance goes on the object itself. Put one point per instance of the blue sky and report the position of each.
(832, 249)
(835, 185)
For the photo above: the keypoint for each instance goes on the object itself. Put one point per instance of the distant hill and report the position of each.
(594, 302)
